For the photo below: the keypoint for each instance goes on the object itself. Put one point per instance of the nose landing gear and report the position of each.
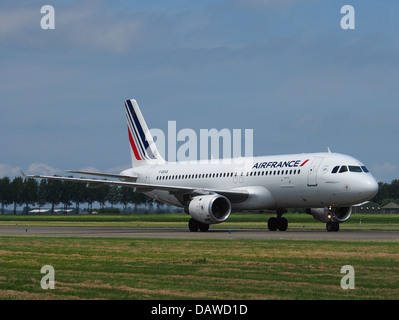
(332, 226)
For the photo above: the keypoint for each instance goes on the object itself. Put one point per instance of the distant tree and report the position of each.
(101, 194)
(54, 189)
(113, 195)
(42, 193)
(79, 195)
(16, 192)
(66, 196)
(5, 193)
(127, 195)
(387, 192)
(29, 193)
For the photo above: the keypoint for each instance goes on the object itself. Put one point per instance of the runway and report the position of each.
(185, 234)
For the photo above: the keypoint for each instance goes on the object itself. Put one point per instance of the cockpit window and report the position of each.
(335, 170)
(355, 169)
(365, 169)
(343, 169)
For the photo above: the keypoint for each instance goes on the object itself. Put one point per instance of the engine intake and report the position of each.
(210, 209)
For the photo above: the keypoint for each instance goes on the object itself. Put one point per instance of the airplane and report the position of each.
(326, 185)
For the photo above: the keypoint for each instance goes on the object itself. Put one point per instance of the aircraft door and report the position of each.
(312, 173)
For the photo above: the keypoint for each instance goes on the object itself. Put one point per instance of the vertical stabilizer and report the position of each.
(142, 146)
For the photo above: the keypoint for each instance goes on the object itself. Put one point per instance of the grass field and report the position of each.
(91, 268)
(229, 269)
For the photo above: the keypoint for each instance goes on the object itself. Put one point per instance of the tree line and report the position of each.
(387, 192)
(32, 192)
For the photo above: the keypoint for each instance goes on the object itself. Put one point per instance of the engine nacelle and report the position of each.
(210, 209)
(339, 214)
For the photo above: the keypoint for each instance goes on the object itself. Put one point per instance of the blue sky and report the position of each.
(284, 68)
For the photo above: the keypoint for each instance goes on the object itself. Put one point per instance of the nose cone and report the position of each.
(369, 187)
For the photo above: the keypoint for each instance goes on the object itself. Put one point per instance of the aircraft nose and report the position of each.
(370, 187)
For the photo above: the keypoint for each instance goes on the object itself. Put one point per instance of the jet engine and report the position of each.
(337, 214)
(210, 209)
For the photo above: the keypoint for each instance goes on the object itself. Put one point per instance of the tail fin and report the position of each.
(142, 147)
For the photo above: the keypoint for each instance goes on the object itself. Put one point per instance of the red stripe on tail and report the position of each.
(133, 145)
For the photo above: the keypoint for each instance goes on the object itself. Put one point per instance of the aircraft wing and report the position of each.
(178, 191)
(106, 175)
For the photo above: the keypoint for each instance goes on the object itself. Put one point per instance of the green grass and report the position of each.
(94, 268)
(383, 222)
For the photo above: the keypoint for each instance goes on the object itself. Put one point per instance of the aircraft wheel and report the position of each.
(332, 226)
(282, 224)
(204, 227)
(277, 223)
(193, 225)
(272, 224)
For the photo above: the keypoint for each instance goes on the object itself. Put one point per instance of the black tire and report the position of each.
(193, 225)
(204, 227)
(332, 226)
(272, 224)
(282, 224)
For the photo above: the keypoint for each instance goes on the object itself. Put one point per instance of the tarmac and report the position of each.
(138, 232)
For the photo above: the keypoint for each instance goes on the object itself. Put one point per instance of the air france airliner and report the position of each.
(326, 185)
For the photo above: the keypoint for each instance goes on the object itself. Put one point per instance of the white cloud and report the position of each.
(384, 172)
(90, 28)
(82, 25)
(43, 169)
(385, 168)
(9, 171)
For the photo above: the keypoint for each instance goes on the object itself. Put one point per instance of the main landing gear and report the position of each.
(278, 223)
(194, 225)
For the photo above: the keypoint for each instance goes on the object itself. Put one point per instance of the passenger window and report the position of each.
(343, 169)
(335, 170)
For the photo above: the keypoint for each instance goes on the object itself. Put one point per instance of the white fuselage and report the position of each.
(272, 182)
